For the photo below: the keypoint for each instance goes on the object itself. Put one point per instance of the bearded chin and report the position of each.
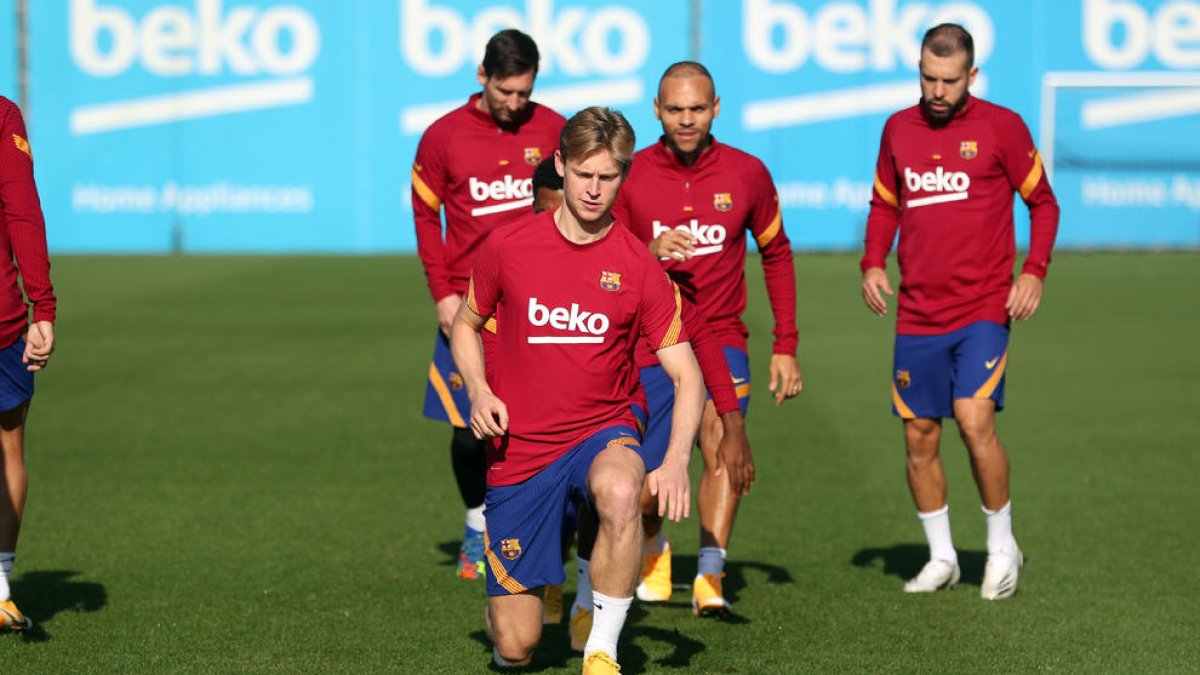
(940, 119)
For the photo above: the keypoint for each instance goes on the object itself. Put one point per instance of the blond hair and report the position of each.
(597, 128)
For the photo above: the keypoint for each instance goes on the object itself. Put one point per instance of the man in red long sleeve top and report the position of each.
(693, 199)
(477, 163)
(947, 171)
(27, 345)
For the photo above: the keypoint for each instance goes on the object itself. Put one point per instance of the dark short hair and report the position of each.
(546, 176)
(945, 39)
(686, 69)
(510, 52)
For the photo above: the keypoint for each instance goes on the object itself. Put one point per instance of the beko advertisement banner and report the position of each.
(290, 126)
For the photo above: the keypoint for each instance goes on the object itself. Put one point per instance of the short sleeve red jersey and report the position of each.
(22, 233)
(564, 349)
(718, 199)
(482, 175)
(949, 190)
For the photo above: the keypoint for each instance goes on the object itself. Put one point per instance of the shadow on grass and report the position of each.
(450, 548)
(554, 651)
(906, 560)
(42, 595)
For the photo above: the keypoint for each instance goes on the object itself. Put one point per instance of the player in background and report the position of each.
(946, 174)
(692, 199)
(28, 343)
(574, 295)
(475, 164)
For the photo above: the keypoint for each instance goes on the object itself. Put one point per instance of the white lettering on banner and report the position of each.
(610, 43)
(1182, 190)
(1171, 33)
(847, 37)
(191, 200)
(708, 238)
(282, 41)
(592, 325)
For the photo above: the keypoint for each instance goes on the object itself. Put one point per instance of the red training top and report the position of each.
(482, 174)
(950, 191)
(717, 199)
(24, 233)
(572, 314)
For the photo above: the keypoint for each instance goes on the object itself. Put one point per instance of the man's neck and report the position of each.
(578, 232)
(689, 158)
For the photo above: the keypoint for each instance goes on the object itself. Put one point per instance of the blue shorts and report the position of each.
(16, 382)
(525, 521)
(933, 371)
(446, 396)
(660, 396)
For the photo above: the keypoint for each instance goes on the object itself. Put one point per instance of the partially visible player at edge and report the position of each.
(476, 163)
(693, 199)
(27, 344)
(947, 171)
(574, 294)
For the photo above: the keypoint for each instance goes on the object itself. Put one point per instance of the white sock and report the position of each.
(999, 526)
(475, 519)
(658, 544)
(583, 592)
(607, 623)
(937, 533)
(6, 565)
(710, 561)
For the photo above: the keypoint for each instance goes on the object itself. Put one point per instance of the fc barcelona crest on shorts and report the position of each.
(456, 382)
(510, 548)
(723, 201)
(610, 281)
(903, 379)
(533, 156)
(968, 149)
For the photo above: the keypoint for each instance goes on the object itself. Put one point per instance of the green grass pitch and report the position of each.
(230, 474)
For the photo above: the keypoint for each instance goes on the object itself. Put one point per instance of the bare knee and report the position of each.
(976, 425)
(514, 638)
(618, 497)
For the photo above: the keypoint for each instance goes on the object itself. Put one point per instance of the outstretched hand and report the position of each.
(670, 483)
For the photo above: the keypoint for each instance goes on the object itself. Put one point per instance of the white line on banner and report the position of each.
(792, 111)
(1133, 109)
(141, 112)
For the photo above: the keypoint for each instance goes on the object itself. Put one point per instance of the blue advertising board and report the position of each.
(289, 126)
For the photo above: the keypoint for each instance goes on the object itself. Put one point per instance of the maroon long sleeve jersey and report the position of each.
(481, 174)
(718, 199)
(949, 190)
(23, 240)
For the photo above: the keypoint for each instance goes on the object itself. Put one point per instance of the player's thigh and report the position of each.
(614, 479)
(16, 392)
(981, 364)
(517, 618)
(922, 376)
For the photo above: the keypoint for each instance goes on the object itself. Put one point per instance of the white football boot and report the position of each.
(936, 575)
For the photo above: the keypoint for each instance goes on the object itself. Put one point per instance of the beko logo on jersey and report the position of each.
(592, 325)
(602, 47)
(708, 238)
(951, 186)
(848, 37)
(517, 193)
(279, 41)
